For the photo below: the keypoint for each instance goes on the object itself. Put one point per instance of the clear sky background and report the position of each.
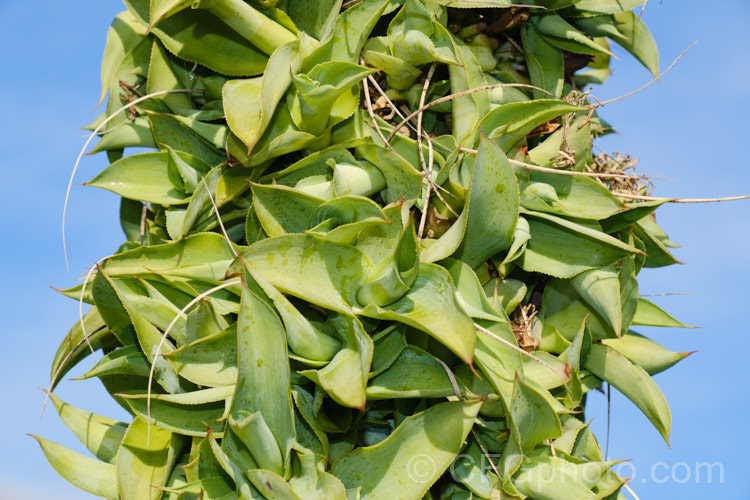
(692, 129)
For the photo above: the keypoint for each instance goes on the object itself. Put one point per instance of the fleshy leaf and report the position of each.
(194, 413)
(533, 418)
(627, 29)
(203, 256)
(431, 306)
(145, 460)
(417, 38)
(311, 268)
(344, 378)
(646, 353)
(648, 313)
(209, 361)
(315, 483)
(393, 276)
(564, 249)
(403, 181)
(249, 104)
(282, 210)
(545, 63)
(383, 470)
(252, 429)
(600, 288)
(509, 123)
(414, 374)
(102, 436)
(634, 383)
(263, 376)
(90, 475)
(146, 177)
(492, 203)
(561, 33)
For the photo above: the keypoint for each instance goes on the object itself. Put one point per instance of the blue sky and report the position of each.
(691, 129)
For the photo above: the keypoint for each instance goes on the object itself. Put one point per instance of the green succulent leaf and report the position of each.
(250, 103)
(91, 475)
(492, 204)
(187, 419)
(431, 306)
(147, 177)
(646, 353)
(344, 378)
(606, 6)
(564, 249)
(311, 268)
(634, 383)
(627, 29)
(100, 435)
(414, 374)
(564, 35)
(145, 460)
(263, 374)
(382, 471)
(129, 134)
(509, 123)
(648, 313)
(417, 38)
(545, 63)
(90, 331)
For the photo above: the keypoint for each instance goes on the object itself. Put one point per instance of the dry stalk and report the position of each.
(681, 200)
(431, 143)
(88, 141)
(371, 112)
(656, 79)
(461, 94)
(157, 351)
(426, 166)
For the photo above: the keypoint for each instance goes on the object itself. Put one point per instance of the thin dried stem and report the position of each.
(218, 218)
(371, 112)
(679, 200)
(609, 419)
(439, 188)
(144, 218)
(452, 378)
(461, 94)
(630, 490)
(350, 3)
(603, 103)
(430, 141)
(426, 168)
(88, 141)
(643, 8)
(157, 353)
(548, 170)
(392, 104)
(528, 166)
(485, 452)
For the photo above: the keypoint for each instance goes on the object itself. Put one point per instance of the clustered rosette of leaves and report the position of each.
(359, 337)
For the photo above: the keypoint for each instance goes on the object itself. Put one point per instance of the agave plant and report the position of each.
(370, 253)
